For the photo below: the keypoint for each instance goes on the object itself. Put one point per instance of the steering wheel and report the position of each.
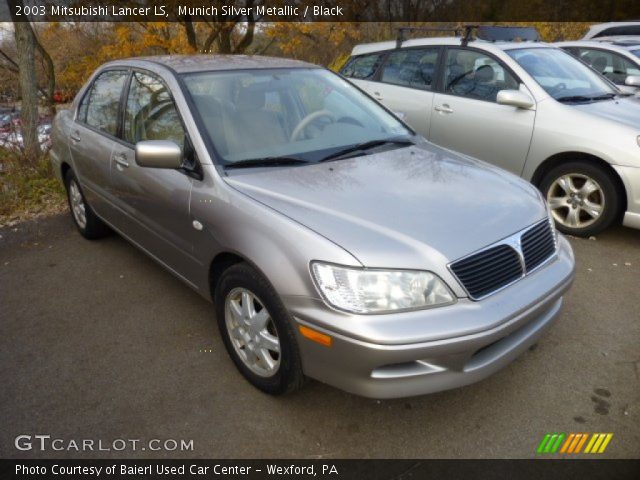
(309, 119)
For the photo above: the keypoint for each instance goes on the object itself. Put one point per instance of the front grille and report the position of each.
(538, 244)
(487, 271)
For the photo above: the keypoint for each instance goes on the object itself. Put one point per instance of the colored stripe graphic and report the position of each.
(598, 442)
(573, 443)
(581, 442)
(551, 442)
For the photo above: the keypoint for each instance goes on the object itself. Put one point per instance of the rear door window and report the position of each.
(413, 68)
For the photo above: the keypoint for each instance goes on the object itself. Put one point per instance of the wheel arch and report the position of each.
(64, 168)
(565, 157)
(222, 262)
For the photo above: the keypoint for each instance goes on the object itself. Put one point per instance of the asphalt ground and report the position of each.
(99, 342)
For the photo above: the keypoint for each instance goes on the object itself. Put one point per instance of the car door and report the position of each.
(155, 201)
(93, 137)
(467, 118)
(361, 70)
(405, 85)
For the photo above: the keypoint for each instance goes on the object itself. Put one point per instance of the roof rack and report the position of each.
(499, 33)
(401, 31)
(488, 33)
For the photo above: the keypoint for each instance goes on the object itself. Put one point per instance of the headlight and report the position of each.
(360, 290)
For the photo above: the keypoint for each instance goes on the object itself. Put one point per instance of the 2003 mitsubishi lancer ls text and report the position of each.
(334, 242)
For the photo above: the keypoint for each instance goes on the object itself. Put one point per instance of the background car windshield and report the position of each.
(560, 74)
(636, 52)
(301, 113)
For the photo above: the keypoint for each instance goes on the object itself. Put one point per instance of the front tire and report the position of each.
(88, 223)
(583, 198)
(257, 331)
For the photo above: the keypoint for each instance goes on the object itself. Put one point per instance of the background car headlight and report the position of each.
(360, 290)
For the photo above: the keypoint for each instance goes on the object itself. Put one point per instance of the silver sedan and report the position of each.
(334, 242)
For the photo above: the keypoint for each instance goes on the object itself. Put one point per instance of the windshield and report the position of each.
(560, 74)
(303, 113)
(636, 52)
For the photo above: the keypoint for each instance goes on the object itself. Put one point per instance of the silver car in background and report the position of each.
(525, 106)
(618, 61)
(334, 242)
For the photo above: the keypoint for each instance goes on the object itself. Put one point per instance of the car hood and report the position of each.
(622, 110)
(402, 208)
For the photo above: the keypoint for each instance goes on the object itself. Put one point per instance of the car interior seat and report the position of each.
(254, 126)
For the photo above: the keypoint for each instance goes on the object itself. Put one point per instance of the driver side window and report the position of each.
(151, 113)
(613, 66)
(472, 74)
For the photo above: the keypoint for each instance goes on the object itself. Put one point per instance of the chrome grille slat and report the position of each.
(505, 262)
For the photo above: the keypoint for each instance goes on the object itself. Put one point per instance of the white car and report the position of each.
(618, 60)
(526, 106)
(612, 29)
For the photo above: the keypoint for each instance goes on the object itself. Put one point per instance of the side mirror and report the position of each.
(632, 81)
(158, 154)
(515, 98)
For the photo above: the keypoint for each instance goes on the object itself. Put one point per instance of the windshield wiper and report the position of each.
(586, 98)
(362, 147)
(266, 162)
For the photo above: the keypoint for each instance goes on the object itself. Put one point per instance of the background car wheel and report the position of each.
(582, 196)
(88, 223)
(257, 331)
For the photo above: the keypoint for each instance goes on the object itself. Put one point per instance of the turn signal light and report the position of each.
(316, 336)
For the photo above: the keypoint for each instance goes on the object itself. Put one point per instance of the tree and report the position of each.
(26, 46)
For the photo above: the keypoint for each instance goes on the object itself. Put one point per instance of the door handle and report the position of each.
(444, 109)
(75, 136)
(121, 161)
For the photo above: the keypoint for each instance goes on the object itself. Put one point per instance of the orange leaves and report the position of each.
(316, 42)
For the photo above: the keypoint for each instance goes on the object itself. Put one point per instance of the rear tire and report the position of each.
(257, 331)
(583, 198)
(88, 223)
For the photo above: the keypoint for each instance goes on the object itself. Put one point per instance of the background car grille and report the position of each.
(488, 270)
(538, 244)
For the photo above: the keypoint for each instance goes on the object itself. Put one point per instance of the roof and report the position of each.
(622, 49)
(200, 63)
(417, 42)
(612, 28)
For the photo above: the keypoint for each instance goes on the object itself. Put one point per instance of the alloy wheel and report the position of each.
(77, 204)
(252, 332)
(576, 200)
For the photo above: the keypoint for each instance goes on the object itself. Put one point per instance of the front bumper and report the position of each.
(506, 324)
(631, 179)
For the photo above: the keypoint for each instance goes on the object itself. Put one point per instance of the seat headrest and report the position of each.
(485, 73)
(209, 106)
(599, 64)
(250, 99)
